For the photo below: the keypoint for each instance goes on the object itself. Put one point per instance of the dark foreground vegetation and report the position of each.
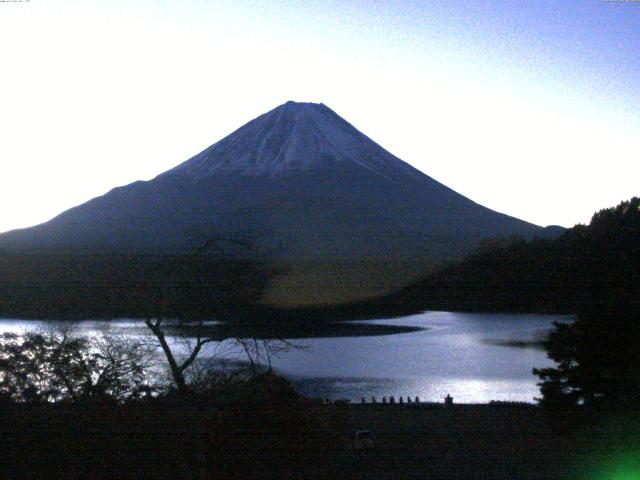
(494, 441)
(266, 435)
(107, 406)
(259, 428)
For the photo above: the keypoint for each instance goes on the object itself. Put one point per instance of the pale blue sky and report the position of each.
(531, 108)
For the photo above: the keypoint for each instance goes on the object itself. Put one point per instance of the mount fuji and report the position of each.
(309, 189)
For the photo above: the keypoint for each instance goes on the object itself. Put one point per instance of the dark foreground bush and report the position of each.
(165, 439)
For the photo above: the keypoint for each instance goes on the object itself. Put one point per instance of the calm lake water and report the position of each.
(475, 358)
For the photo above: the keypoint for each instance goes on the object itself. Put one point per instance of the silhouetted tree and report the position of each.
(191, 335)
(178, 366)
(193, 338)
(59, 364)
(598, 355)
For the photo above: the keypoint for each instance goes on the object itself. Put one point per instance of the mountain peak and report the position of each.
(302, 111)
(293, 137)
(300, 105)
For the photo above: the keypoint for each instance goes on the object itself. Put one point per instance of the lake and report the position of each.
(473, 357)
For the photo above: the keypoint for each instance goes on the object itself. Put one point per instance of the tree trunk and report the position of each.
(176, 371)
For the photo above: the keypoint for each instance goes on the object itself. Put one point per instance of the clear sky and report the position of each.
(531, 108)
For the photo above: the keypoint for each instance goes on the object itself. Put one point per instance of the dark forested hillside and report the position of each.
(112, 286)
(509, 275)
(543, 275)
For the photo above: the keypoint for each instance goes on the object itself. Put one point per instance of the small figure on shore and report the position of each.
(384, 399)
(448, 400)
(400, 400)
(417, 399)
(408, 399)
(373, 399)
(362, 400)
(392, 399)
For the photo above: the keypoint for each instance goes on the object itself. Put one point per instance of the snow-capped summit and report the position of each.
(294, 137)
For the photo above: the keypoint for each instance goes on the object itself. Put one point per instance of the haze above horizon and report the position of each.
(531, 110)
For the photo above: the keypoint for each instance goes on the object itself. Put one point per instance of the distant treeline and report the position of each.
(112, 286)
(558, 275)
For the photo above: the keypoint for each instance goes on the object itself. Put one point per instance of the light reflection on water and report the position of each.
(465, 355)
(468, 356)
